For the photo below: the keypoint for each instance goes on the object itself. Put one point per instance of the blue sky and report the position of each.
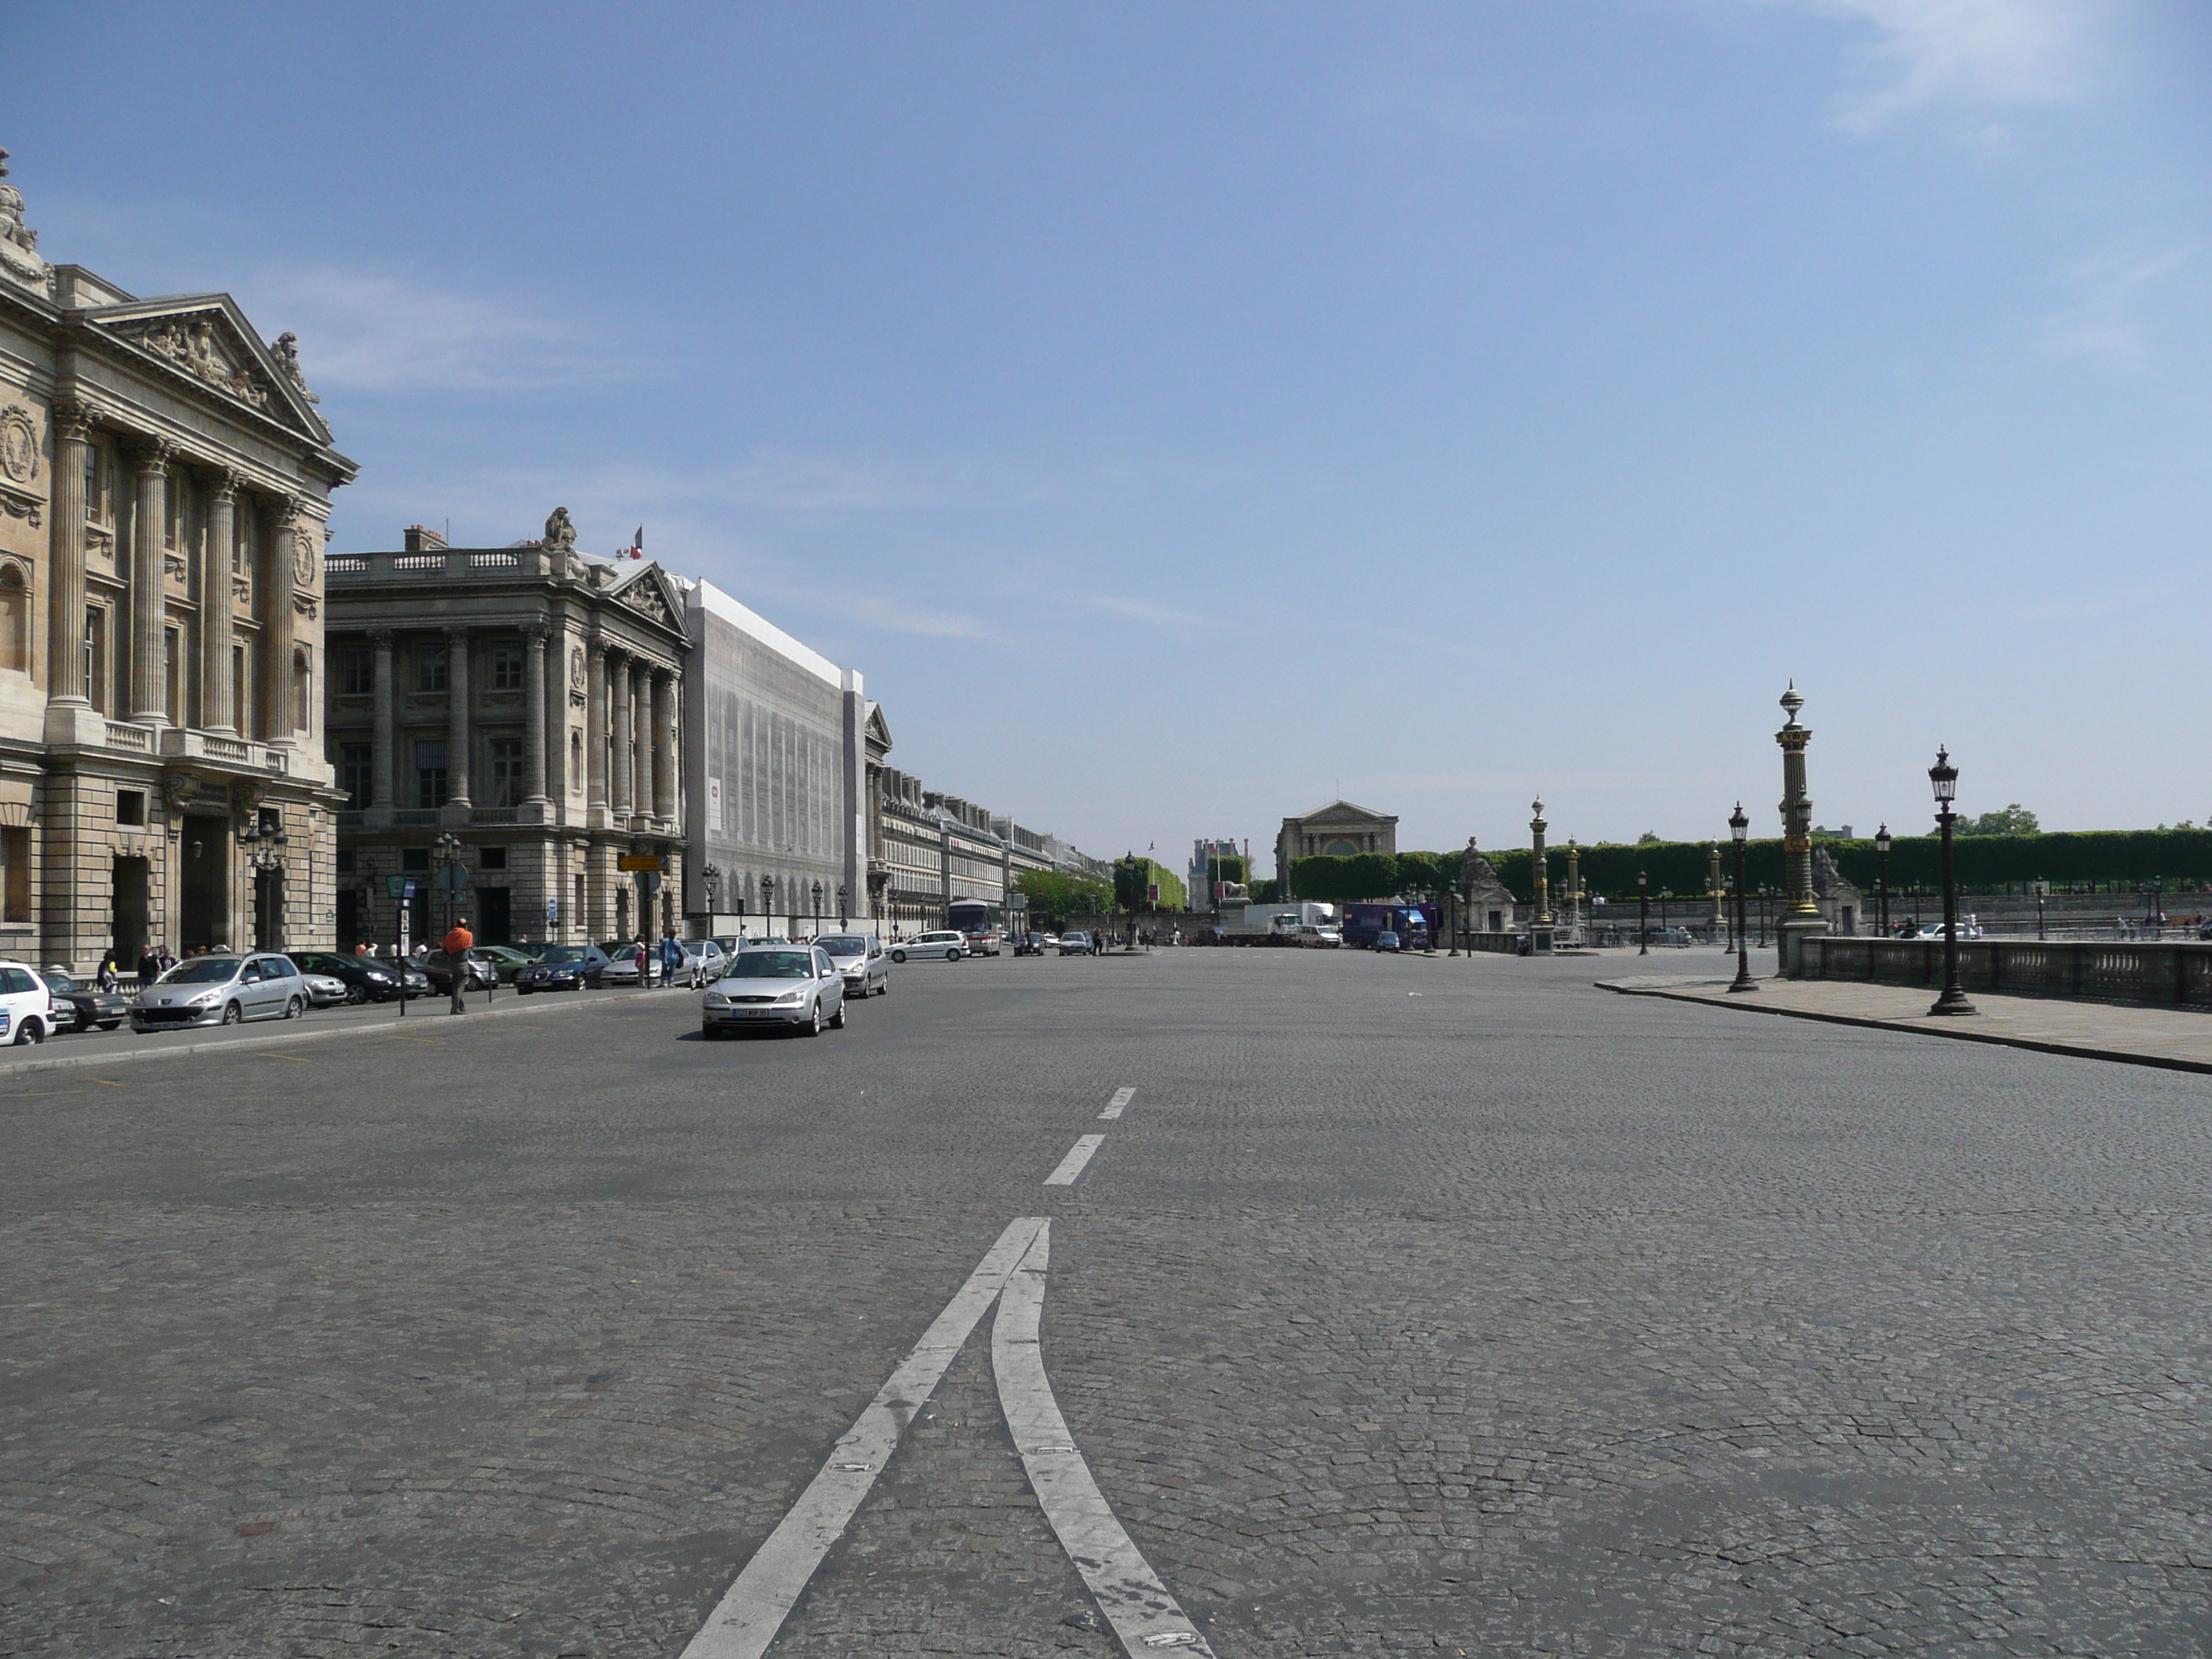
(1183, 416)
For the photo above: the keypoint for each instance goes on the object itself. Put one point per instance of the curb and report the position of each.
(2039, 1045)
(394, 1027)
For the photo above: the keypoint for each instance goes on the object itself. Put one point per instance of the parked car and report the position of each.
(702, 964)
(621, 967)
(1387, 941)
(944, 943)
(562, 967)
(27, 1011)
(438, 967)
(505, 960)
(1314, 936)
(859, 957)
(983, 943)
(83, 1006)
(221, 990)
(794, 987)
(1029, 944)
(323, 990)
(366, 979)
(1075, 944)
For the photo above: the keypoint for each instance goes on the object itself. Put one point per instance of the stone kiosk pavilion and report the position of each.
(164, 482)
(524, 701)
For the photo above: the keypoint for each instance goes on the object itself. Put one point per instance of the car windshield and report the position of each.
(772, 964)
(846, 945)
(208, 970)
(59, 981)
(557, 954)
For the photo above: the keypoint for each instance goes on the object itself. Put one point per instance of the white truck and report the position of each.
(1278, 924)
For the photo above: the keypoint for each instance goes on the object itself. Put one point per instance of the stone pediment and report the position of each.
(207, 337)
(649, 592)
(879, 729)
(1343, 812)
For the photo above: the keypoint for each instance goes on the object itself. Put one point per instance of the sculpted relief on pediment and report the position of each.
(199, 346)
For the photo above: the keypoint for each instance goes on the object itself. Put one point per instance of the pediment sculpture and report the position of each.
(196, 345)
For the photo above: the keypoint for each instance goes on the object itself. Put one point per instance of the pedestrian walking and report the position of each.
(457, 943)
(671, 958)
(108, 978)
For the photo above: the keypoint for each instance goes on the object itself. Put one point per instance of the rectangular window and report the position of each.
(506, 771)
(430, 773)
(491, 858)
(346, 860)
(173, 677)
(430, 668)
(15, 875)
(507, 668)
(131, 807)
(174, 511)
(96, 656)
(98, 480)
(354, 760)
(241, 538)
(359, 670)
(414, 858)
(241, 704)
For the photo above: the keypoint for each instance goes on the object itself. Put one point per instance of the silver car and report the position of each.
(786, 987)
(221, 991)
(859, 957)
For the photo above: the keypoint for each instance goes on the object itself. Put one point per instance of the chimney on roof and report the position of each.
(423, 540)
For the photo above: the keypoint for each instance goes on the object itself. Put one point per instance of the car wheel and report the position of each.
(355, 995)
(898, 956)
(26, 1032)
(814, 1019)
(952, 954)
(294, 1009)
(838, 1019)
(232, 1014)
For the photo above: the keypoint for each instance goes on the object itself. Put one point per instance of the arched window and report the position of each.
(575, 761)
(14, 620)
(302, 692)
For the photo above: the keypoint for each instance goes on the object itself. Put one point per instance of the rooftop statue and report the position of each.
(560, 532)
(19, 243)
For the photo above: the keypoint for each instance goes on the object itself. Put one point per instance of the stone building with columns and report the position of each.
(525, 701)
(165, 478)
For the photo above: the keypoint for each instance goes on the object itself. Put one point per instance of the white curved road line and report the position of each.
(1129, 1593)
(748, 1616)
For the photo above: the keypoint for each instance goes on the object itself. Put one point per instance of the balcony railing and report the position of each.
(2104, 970)
(345, 569)
(139, 739)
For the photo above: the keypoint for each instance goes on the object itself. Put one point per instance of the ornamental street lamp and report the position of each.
(445, 852)
(2042, 892)
(1944, 778)
(1642, 915)
(1739, 827)
(1881, 875)
(768, 901)
(818, 910)
(844, 906)
(711, 876)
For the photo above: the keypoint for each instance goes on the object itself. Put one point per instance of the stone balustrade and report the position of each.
(2175, 973)
(342, 569)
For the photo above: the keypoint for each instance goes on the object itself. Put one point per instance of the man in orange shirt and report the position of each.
(457, 942)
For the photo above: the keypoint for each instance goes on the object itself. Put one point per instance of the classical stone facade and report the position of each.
(165, 480)
(1338, 829)
(524, 700)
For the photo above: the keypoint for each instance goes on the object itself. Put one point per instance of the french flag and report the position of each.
(637, 543)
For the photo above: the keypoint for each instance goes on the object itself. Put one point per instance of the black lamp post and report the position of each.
(1642, 915)
(768, 901)
(2042, 892)
(818, 910)
(1739, 827)
(1665, 893)
(1944, 777)
(711, 878)
(1765, 894)
(844, 906)
(1881, 875)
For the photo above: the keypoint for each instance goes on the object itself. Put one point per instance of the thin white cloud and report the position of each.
(2098, 322)
(903, 618)
(1926, 52)
(383, 334)
(1151, 613)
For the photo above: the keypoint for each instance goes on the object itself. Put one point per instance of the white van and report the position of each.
(27, 1007)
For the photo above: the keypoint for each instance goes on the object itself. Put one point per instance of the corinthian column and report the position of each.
(72, 429)
(621, 722)
(457, 717)
(274, 593)
(663, 745)
(383, 782)
(216, 714)
(533, 715)
(595, 725)
(641, 739)
(147, 577)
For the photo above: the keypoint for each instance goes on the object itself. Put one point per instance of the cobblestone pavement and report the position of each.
(1427, 1305)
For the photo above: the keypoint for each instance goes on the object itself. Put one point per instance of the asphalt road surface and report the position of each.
(1412, 1305)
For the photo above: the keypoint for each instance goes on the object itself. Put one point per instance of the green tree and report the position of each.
(2014, 820)
(1055, 896)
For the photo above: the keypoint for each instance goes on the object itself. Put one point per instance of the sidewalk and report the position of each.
(2178, 1039)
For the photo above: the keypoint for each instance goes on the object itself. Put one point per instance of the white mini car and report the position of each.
(27, 1007)
(946, 944)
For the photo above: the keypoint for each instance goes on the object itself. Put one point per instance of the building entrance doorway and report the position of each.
(269, 910)
(133, 882)
(350, 922)
(494, 917)
(203, 911)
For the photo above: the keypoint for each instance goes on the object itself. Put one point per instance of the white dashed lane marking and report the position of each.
(747, 1619)
(1129, 1593)
(1116, 1106)
(1071, 1165)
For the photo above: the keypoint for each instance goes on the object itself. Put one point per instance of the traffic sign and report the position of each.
(649, 882)
(452, 877)
(641, 861)
(398, 886)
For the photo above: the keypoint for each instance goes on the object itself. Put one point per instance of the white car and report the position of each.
(27, 1007)
(945, 942)
(323, 990)
(859, 957)
(795, 987)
